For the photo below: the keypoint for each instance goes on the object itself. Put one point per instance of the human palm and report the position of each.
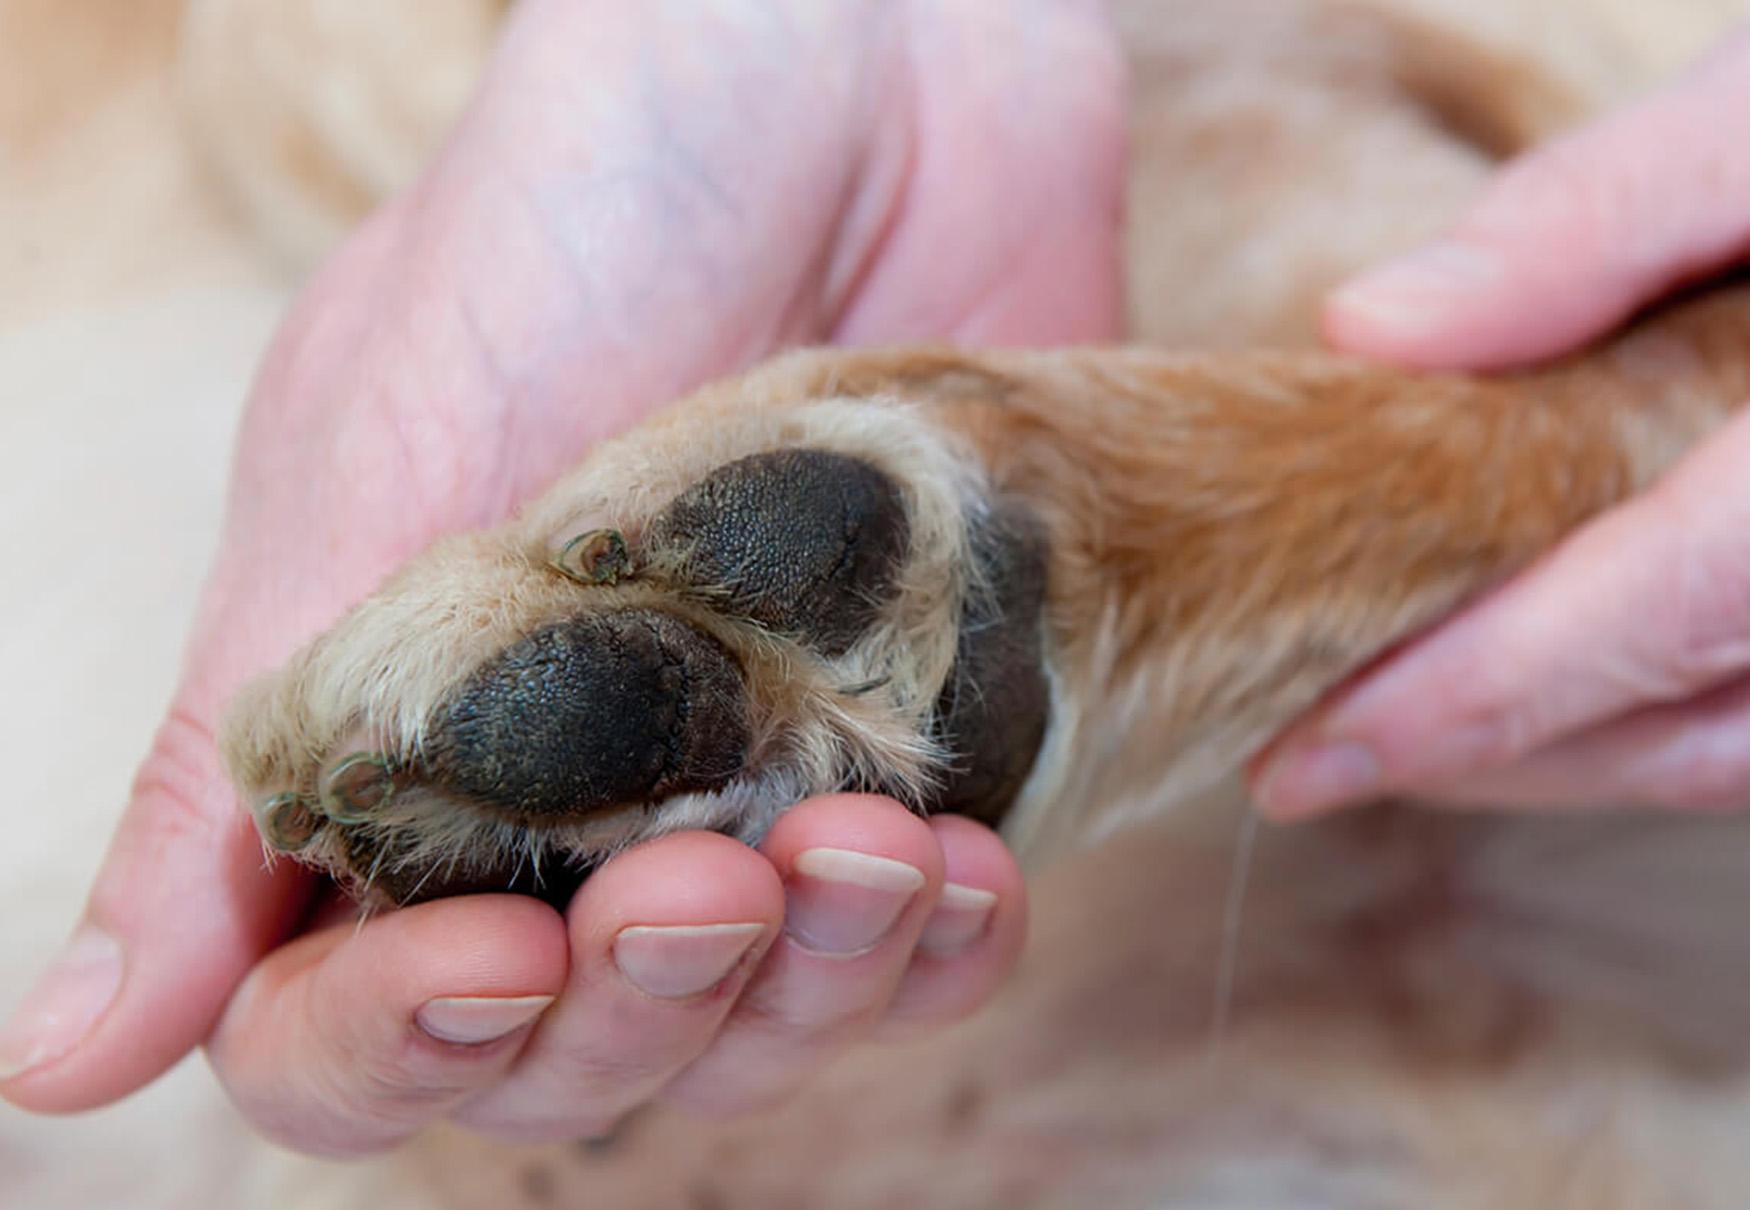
(630, 206)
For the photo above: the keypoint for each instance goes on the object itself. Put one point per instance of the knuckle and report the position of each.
(178, 779)
(512, 1123)
(598, 1083)
(1712, 624)
(815, 1025)
(381, 1087)
(719, 1099)
(607, 1076)
(1708, 780)
(1567, 178)
(181, 809)
(1513, 731)
(397, 1086)
(1706, 637)
(1497, 719)
(322, 1112)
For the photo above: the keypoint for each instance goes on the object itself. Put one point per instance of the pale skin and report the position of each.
(482, 331)
(1617, 671)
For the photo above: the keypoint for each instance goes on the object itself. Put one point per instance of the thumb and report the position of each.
(1572, 238)
(184, 904)
(180, 911)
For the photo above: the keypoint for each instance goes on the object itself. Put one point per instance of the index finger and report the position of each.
(1574, 237)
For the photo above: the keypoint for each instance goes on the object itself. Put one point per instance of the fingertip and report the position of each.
(861, 874)
(973, 937)
(973, 849)
(858, 823)
(1313, 777)
(348, 1039)
(1420, 308)
(1569, 239)
(59, 1011)
(984, 898)
(473, 945)
(858, 870)
(664, 938)
(684, 878)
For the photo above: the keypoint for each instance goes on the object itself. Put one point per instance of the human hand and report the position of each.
(1614, 671)
(640, 197)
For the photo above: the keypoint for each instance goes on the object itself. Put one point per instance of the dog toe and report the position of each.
(288, 823)
(801, 541)
(591, 714)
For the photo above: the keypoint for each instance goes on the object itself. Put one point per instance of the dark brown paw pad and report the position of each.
(591, 714)
(613, 712)
(992, 712)
(806, 542)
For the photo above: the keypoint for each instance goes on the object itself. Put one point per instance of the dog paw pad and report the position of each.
(591, 714)
(801, 541)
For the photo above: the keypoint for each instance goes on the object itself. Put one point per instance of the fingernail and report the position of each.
(840, 902)
(1299, 783)
(672, 962)
(960, 918)
(1417, 287)
(474, 1020)
(65, 1003)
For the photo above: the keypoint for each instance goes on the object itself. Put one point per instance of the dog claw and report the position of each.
(597, 556)
(357, 787)
(288, 823)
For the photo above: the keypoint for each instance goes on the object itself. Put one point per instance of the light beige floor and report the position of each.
(130, 318)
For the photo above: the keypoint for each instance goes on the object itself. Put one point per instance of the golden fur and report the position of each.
(1425, 1011)
(1216, 562)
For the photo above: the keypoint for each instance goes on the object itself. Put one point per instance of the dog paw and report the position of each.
(714, 617)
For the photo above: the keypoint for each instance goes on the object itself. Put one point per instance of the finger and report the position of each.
(971, 940)
(1572, 238)
(861, 877)
(1648, 604)
(1693, 756)
(350, 1039)
(183, 906)
(663, 938)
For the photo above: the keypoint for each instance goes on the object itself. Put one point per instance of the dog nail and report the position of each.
(596, 557)
(288, 823)
(358, 786)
